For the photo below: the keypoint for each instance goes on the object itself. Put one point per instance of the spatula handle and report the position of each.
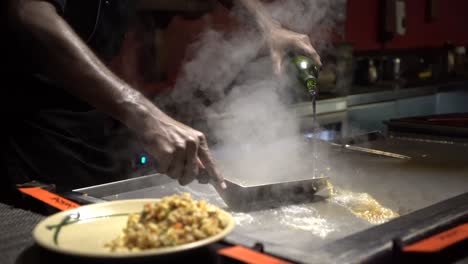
(203, 177)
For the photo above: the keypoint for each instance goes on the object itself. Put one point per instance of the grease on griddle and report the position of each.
(242, 218)
(361, 205)
(308, 219)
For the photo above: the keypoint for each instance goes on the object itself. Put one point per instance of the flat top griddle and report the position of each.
(438, 172)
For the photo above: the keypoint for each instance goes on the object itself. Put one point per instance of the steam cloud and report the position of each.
(247, 107)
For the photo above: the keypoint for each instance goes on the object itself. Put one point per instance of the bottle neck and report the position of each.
(311, 85)
(307, 73)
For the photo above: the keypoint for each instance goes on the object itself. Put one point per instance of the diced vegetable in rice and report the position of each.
(172, 221)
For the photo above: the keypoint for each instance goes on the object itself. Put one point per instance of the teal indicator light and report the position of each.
(143, 160)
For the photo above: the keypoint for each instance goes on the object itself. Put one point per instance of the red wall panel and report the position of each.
(362, 30)
(362, 27)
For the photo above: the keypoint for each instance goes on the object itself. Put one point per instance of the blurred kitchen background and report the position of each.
(387, 59)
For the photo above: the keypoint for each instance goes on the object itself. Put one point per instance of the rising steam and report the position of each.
(257, 134)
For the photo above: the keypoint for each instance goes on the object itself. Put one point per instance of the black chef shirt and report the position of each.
(49, 135)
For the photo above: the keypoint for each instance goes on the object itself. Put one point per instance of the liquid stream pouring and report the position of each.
(307, 73)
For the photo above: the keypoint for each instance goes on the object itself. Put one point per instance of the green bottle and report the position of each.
(307, 72)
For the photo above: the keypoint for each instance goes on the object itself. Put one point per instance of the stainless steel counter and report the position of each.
(366, 110)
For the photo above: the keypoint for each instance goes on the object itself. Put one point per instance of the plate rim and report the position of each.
(144, 253)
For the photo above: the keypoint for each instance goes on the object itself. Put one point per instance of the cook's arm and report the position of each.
(65, 58)
(279, 39)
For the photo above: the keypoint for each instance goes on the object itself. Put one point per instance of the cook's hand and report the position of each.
(280, 41)
(180, 151)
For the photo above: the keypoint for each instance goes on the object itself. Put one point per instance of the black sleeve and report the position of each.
(227, 3)
(59, 5)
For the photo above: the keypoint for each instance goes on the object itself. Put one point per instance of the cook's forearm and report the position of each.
(65, 58)
(261, 15)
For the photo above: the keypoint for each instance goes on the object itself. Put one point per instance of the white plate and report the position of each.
(84, 231)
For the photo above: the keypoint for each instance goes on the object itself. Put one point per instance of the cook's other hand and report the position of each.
(279, 40)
